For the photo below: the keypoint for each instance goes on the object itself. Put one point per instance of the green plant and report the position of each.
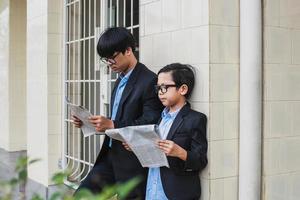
(8, 187)
(114, 192)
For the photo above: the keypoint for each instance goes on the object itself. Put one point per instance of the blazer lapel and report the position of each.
(178, 120)
(128, 89)
(159, 121)
(112, 99)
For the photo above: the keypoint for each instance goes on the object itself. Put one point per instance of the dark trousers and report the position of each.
(102, 175)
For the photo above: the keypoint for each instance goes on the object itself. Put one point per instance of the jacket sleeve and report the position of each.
(197, 155)
(152, 108)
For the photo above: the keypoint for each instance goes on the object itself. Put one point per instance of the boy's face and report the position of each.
(169, 94)
(120, 62)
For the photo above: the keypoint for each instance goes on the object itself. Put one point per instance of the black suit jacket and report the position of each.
(139, 105)
(181, 181)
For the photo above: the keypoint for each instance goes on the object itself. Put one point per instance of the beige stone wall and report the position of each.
(37, 119)
(44, 86)
(281, 134)
(4, 74)
(13, 75)
(55, 84)
(205, 34)
(178, 31)
(17, 75)
(224, 99)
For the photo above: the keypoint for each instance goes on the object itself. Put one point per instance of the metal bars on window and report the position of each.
(87, 82)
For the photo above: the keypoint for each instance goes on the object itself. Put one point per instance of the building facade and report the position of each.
(47, 54)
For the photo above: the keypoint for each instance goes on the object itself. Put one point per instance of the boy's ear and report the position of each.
(128, 51)
(183, 89)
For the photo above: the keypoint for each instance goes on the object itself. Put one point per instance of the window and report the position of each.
(87, 81)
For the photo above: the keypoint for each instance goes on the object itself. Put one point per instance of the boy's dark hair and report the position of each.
(181, 74)
(115, 39)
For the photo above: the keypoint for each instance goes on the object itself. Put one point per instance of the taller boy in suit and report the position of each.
(133, 102)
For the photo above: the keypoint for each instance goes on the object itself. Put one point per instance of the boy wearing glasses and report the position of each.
(183, 133)
(133, 102)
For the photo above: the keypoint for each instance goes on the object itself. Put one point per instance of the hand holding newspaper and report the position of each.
(83, 114)
(142, 141)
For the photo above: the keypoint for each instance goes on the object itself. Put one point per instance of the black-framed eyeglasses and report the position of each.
(110, 60)
(163, 88)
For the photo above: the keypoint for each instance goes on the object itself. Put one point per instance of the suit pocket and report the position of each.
(182, 134)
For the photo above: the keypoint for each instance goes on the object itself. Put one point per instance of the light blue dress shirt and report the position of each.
(155, 189)
(118, 96)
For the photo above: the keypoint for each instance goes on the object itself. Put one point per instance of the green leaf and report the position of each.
(107, 193)
(13, 181)
(83, 194)
(115, 197)
(21, 163)
(118, 191)
(124, 189)
(56, 195)
(68, 197)
(23, 175)
(36, 197)
(58, 178)
(34, 161)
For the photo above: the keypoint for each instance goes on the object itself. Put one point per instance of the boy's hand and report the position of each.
(170, 148)
(101, 123)
(126, 146)
(77, 122)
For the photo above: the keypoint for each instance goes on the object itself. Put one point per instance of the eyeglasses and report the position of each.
(110, 60)
(163, 88)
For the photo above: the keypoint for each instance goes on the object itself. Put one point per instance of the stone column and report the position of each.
(250, 99)
(13, 75)
(44, 88)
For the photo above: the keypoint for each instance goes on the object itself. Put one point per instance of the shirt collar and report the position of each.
(166, 113)
(126, 76)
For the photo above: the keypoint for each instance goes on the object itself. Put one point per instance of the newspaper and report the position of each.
(142, 141)
(83, 114)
